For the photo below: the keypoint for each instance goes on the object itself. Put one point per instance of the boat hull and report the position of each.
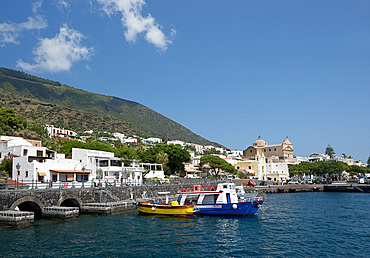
(228, 209)
(165, 209)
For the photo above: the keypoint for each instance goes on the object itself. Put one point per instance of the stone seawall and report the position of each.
(9, 199)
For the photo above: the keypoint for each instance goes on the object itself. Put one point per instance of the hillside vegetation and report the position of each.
(48, 102)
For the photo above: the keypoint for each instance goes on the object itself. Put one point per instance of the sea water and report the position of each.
(287, 225)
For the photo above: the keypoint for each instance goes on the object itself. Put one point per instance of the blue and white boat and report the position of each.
(218, 200)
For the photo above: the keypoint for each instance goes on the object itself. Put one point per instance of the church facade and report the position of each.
(282, 151)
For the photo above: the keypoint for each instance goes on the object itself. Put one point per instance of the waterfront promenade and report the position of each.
(342, 187)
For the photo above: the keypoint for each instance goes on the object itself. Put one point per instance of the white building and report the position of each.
(198, 148)
(152, 140)
(60, 133)
(104, 139)
(130, 140)
(42, 170)
(153, 170)
(175, 142)
(20, 147)
(236, 154)
(119, 136)
(104, 166)
(277, 171)
(191, 171)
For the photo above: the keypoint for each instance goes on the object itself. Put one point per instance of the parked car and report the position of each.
(309, 181)
(293, 182)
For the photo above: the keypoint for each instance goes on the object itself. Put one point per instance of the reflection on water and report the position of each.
(297, 224)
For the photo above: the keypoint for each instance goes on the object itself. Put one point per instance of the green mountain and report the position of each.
(49, 102)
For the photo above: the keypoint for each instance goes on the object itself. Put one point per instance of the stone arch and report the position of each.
(70, 201)
(29, 203)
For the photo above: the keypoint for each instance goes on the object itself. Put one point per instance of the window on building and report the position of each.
(18, 173)
(70, 177)
(264, 150)
(105, 173)
(274, 149)
(26, 173)
(269, 149)
(116, 163)
(39, 153)
(25, 152)
(250, 167)
(251, 151)
(103, 163)
(54, 177)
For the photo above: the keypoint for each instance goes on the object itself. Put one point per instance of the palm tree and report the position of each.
(162, 158)
(140, 148)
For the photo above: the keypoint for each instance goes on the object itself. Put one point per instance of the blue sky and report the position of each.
(227, 70)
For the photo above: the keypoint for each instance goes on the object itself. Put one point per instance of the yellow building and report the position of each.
(247, 166)
(257, 165)
(282, 151)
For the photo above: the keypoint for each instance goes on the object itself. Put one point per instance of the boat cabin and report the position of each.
(222, 194)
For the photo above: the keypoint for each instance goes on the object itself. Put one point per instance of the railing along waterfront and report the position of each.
(33, 184)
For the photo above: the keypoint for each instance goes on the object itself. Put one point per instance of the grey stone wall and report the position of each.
(54, 197)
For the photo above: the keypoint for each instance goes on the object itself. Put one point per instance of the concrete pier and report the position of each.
(55, 212)
(335, 187)
(16, 218)
(285, 188)
(107, 208)
(359, 188)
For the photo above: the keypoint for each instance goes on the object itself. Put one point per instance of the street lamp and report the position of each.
(18, 167)
(83, 176)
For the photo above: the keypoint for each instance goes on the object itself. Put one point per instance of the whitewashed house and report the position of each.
(277, 171)
(103, 166)
(119, 136)
(175, 142)
(198, 148)
(153, 170)
(61, 133)
(152, 140)
(236, 154)
(130, 140)
(20, 147)
(44, 171)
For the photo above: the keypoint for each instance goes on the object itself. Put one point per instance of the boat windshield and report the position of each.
(210, 198)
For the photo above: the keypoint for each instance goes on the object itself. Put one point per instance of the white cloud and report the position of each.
(135, 23)
(58, 53)
(10, 32)
(36, 6)
(62, 5)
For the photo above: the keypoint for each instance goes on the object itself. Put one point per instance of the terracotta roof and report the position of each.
(70, 171)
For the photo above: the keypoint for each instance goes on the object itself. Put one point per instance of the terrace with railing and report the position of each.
(186, 184)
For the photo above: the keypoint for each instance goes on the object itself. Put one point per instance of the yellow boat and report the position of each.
(162, 208)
